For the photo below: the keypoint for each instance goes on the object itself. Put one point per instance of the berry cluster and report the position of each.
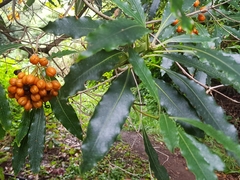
(201, 18)
(31, 90)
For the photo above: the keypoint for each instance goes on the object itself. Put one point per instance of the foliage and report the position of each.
(135, 47)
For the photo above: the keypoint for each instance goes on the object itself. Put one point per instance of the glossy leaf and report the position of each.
(204, 104)
(65, 113)
(79, 27)
(143, 73)
(132, 8)
(19, 155)
(36, 139)
(195, 161)
(6, 47)
(23, 127)
(168, 129)
(2, 132)
(107, 120)
(113, 34)
(91, 69)
(5, 113)
(160, 171)
(60, 54)
(219, 136)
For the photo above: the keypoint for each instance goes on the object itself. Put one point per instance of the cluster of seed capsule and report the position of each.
(201, 18)
(32, 90)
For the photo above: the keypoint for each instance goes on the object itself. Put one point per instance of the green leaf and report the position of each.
(79, 27)
(28, 4)
(2, 132)
(233, 31)
(60, 54)
(154, 7)
(91, 69)
(195, 161)
(113, 34)
(220, 137)
(132, 8)
(168, 129)
(79, 4)
(36, 139)
(204, 104)
(65, 113)
(1, 173)
(177, 105)
(160, 171)
(5, 113)
(224, 63)
(19, 155)
(23, 127)
(143, 73)
(4, 48)
(107, 120)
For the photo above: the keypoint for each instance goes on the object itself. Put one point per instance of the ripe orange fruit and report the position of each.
(51, 71)
(175, 22)
(42, 92)
(41, 84)
(47, 98)
(49, 86)
(54, 93)
(19, 83)
(21, 75)
(28, 105)
(35, 97)
(12, 81)
(196, 3)
(195, 31)
(11, 95)
(34, 59)
(22, 101)
(37, 104)
(34, 89)
(56, 85)
(20, 92)
(30, 79)
(179, 29)
(43, 61)
(12, 89)
(201, 17)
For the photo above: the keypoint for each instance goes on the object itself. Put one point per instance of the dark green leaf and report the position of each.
(71, 26)
(232, 31)
(204, 104)
(132, 8)
(65, 113)
(160, 171)
(91, 69)
(98, 3)
(51, 1)
(195, 161)
(28, 4)
(107, 120)
(220, 137)
(79, 4)
(176, 105)
(60, 54)
(36, 139)
(1, 173)
(154, 7)
(2, 132)
(4, 48)
(113, 34)
(169, 131)
(23, 128)
(19, 155)
(5, 113)
(143, 73)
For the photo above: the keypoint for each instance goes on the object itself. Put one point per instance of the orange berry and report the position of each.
(42, 92)
(201, 17)
(22, 101)
(41, 84)
(179, 29)
(12, 81)
(30, 79)
(37, 104)
(196, 3)
(11, 95)
(195, 31)
(28, 105)
(19, 83)
(20, 92)
(34, 59)
(51, 71)
(34, 89)
(43, 61)
(47, 98)
(36, 80)
(49, 86)
(21, 75)
(56, 85)
(35, 97)
(12, 89)
(175, 22)
(54, 93)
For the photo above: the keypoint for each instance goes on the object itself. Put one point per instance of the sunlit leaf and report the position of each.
(4, 48)
(79, 27)
(5, 113)
(91, 69)
(195, 161)
(160, 171)
(107, 120)
(113, 34)
(36, 139)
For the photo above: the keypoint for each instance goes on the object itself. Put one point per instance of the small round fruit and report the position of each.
(22, 101)
(21, 75)
(179, 29)
(34, 59)
(47, 98)
(30, 79)
(37, 104)
(35, 97)
(54, 93)
(42, 92)
(201, 17)
(41, 84)
(12, 89)
(11, 95)
(56, 85)
(19, 83)
(20, 92)
(196, 3)
(51, 71)
(28, 106)
(34, 89)
(12, 81)
(43, 61)
(36, 80)
(175, 22)
(49, 86)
